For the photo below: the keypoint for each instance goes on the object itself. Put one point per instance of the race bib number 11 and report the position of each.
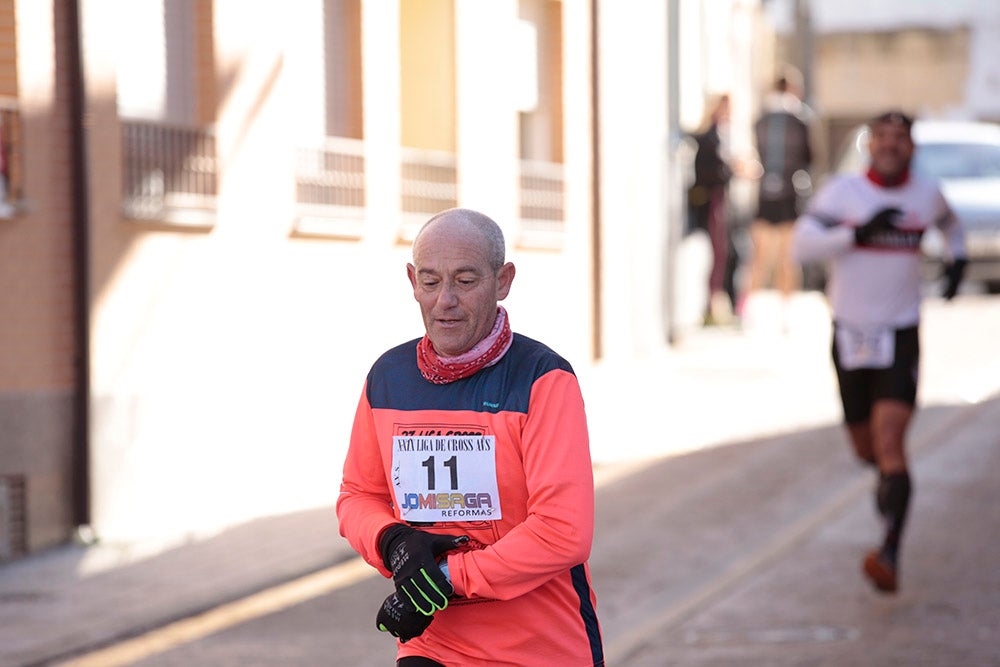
(446, 478)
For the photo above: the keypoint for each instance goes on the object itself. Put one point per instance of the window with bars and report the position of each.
(11, 147)
(429, 185)
(330, 191)
(11, 160)
(428, 116)
(330, 188)
(165, 103)
(168, 173)
(542, 172)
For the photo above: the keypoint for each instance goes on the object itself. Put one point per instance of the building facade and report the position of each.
(211, 207)
(934, 60)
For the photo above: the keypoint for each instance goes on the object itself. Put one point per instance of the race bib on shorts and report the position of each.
(872, 347)
(446, 477)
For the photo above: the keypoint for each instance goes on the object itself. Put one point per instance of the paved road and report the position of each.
(745, 554)
(760, 561)
(742, 553)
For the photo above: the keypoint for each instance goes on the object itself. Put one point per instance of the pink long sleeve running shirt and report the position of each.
(502, 456)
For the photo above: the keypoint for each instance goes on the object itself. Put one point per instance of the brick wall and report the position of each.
(36, 282)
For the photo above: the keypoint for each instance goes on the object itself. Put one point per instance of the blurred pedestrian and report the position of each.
(468, 479)
(785, 153)
(869, 227)
(709, 197)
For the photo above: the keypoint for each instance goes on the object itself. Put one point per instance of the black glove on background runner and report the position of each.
(881, 221)
(401, 620)
(411, 556)
(953, 273)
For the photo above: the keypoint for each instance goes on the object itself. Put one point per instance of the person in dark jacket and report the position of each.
(785, 152)
(709, 200)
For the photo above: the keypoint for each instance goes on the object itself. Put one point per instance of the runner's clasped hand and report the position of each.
(881, 221)
(411, 555)
(401, 620)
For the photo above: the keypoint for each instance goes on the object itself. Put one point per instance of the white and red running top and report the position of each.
(876, 284)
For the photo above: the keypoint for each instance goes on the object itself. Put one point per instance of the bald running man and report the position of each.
(468, 479)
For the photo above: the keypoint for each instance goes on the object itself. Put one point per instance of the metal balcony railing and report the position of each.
(169, 172)
(543, 217)
(330, 187)
(430, 181)
(429, 185)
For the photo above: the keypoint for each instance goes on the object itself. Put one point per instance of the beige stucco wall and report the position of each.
(226, 361)
(923, 71)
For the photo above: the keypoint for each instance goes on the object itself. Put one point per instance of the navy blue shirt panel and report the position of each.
(395, 382)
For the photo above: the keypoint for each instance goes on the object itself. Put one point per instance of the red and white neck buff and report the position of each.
(485, 353)
(884, 182)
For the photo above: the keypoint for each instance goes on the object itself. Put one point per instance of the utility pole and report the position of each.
(675, 208)
(804, 48)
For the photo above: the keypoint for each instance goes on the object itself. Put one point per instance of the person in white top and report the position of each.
(868, 227)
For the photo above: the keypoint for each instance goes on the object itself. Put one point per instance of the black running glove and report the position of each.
(401, 620)
(881, 221)
(411, 555)
(953, 273)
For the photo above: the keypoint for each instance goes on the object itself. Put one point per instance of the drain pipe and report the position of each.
(597, 342)
(674, 178)
(81, 273)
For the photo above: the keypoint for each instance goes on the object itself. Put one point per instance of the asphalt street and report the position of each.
(730, 531)
(743, 554)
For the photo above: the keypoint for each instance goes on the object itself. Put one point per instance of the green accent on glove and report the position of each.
(428, 592)
(400, 619)
(412, 556)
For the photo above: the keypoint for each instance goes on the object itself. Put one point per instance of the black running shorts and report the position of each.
(416, 661)
(860, 388)
(778, 211)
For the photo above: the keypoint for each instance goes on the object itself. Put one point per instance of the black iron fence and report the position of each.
(169, 172)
